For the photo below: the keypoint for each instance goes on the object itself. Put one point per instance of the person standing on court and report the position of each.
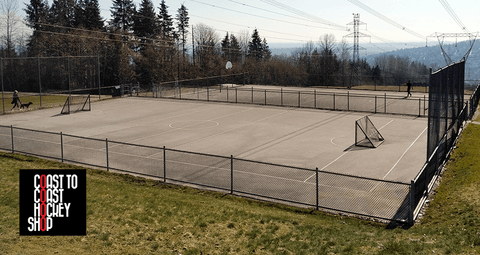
(409, 87)
(16, 100)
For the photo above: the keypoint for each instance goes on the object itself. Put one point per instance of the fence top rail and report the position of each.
(31, 130)
(475, 92)
(198, 153)
(52, 57)
(136, 145)
(87, 138)
(200, 78)
(319, 92)
(446, 67)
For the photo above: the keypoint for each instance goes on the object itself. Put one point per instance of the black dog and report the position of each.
(25, 105)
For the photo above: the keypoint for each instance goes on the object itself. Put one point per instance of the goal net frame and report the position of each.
(366, 134)
(76, 103)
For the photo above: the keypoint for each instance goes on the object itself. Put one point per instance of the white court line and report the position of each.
(405, 152)
(342, 155)
(174, 129)
(226, 131)
(150, 122)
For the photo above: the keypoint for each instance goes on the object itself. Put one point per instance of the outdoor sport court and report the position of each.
(307, 138)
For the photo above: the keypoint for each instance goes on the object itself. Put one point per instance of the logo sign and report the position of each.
(53, 202)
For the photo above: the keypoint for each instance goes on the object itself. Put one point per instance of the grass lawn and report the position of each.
(127, 215)
(47, 101)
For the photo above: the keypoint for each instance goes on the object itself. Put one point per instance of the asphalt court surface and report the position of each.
(306, 138)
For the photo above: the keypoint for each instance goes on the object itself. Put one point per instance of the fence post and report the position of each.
(61, 145)
(208, 94)
(227, 94)
(298, 99)
(281, 96)
(11, 131)
(3, 92)
(106, 146)
(252, 95)
(236, 96)
(69, 79)
(412, 203)
(164, 166)
(180, 92)
(424, 106)
(375, 104)
(265, 97)
(316, 185)
(231, 174)
(348, 100)
(315, 99)
(385, 106)
(419, 107)
(98, 66)
(334, 101)
(39, 81)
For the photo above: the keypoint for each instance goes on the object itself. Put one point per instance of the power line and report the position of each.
(303, 14)
(262, 9)
(271, 31)
(384, 18)
(249, 14)
(453, 15)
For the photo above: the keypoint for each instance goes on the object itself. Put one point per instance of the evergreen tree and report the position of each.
(37, 16)
(166, 23)
(145, 25)
(80, 18)
(235, 51)
(266, 53)
(93, 20)
(226, 47)
(255, 47)
(123, 12)
(182, 25)
(62, 13)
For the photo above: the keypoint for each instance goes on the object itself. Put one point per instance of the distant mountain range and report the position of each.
(431, 56)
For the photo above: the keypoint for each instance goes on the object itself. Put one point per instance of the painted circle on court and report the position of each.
(341, 141)
(194, 124)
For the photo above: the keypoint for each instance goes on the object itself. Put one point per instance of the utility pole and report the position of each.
(356, 45)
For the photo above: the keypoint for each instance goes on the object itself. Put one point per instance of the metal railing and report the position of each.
(342, 101)
(311, 188)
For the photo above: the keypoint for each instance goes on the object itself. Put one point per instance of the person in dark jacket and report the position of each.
(16, 100)
(409, 88)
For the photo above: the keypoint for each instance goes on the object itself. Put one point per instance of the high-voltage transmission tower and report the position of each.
(356, 45)
(441, 37)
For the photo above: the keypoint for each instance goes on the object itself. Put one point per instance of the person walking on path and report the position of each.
(409, 88)
(16, 100)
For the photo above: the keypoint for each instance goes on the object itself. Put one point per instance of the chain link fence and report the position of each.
(446, 117)
(48, 81)
(309, 188)
(215, 91)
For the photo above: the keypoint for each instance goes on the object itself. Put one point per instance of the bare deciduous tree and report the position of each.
(10, 23)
